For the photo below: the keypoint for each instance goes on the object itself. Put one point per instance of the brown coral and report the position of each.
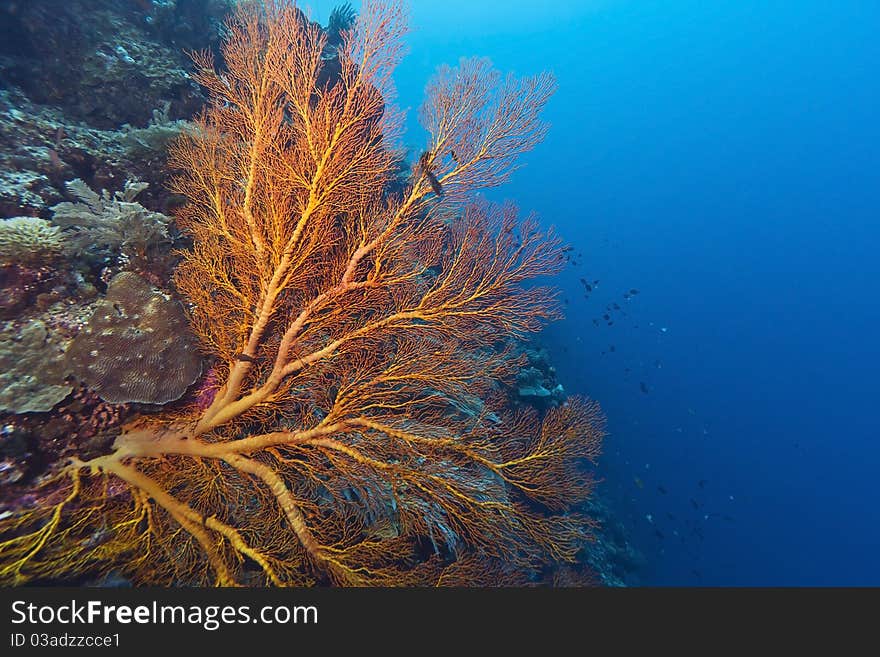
(136, 347)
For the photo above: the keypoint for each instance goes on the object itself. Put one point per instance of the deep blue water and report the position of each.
(722, 158)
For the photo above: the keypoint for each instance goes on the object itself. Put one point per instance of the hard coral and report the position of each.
(136, 347)
(31, 375)
(29, 241)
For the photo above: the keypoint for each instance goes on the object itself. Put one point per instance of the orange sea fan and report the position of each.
(359, 433)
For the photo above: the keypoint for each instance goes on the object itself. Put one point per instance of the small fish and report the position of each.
(606, 316)
(661, 490)
(616, 307)
(702, 483)
(639, 482)
(659, 534)
(633, 292)
(643, 387)
(694, 503)
(649, 518)
(611, 348)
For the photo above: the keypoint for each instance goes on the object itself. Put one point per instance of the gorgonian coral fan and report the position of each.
(359, 432)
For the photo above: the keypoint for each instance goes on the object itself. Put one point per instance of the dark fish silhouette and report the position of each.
(661, 490)
(633, 291)
(694, 503)
(426, 167)
(643, 387)
(659, 534)
(702, 483)
(435, 184)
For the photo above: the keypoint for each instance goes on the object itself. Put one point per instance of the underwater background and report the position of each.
(722, 159)
(713, 168)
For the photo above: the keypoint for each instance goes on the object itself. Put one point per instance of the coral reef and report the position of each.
(136, 347)
(94, 89)
(536, 382)
(102, 65)
(613, 560)
(368, 413)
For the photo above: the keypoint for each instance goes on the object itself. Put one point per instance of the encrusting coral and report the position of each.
(352, 330)
(32, 376)
(136, 347)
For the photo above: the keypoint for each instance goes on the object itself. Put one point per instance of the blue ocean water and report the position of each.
(722, 159)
